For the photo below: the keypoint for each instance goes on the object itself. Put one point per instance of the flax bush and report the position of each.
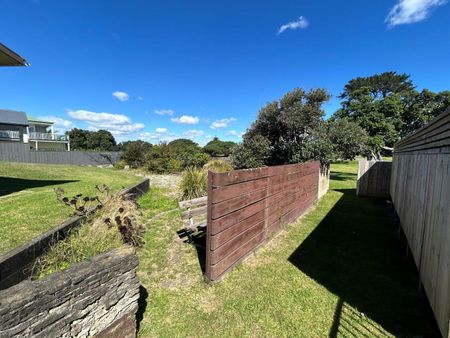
(193, 183)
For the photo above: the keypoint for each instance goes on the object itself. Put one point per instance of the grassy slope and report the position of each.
(338, 271)
(27, 202)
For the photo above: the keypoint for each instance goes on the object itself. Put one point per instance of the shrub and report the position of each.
(120, 165)
(193, 183)
(218, 166)
(134, 153)
(116, 223)
(175, 157)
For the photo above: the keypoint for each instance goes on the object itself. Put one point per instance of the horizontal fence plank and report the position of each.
(218, 269)
(246, 207)
(231, 191)
(239, 202)
(194, 212)
(238, 176)
(234, 230)
(193, 202)
(226, 221)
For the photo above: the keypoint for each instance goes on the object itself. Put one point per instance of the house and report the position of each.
(15, 126)
(10, 58)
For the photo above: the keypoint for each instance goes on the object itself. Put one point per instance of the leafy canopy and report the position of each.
(388, 107)
(217, 148)
(81, 139)
(293, 129)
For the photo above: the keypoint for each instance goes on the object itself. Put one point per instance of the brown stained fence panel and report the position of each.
(247, 207)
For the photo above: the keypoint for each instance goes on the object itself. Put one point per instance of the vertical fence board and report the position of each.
(373, 178)
(21, 152)
(420, 191)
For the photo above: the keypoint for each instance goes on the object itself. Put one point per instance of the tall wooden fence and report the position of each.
(373, 178)
(246, 207)
(420, 190)
(21, 152)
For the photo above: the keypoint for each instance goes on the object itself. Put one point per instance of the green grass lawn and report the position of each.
(28, 205)
(339, 271)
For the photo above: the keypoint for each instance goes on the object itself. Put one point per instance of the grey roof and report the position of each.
(13, 117)
(10, 58)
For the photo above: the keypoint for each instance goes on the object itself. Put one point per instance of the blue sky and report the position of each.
(158, 70)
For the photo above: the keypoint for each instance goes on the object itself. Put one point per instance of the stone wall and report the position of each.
(97, 297)
(16, 265)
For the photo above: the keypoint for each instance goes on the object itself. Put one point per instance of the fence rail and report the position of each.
(246, 207)
(48, 137)
(420, 190)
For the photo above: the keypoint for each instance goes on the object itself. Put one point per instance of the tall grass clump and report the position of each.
(218, 166)
(193, 183)
(116, 223)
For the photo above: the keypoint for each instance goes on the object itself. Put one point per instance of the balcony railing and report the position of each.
(48, 137)
(10, 134)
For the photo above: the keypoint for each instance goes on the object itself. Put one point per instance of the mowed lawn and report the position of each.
(339, 271)
(28, 203)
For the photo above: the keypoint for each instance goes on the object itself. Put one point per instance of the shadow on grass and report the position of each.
(10, 185)
(357, 253)
(338, 176)
(142, 306)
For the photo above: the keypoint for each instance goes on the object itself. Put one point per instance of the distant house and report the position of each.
(15, 126)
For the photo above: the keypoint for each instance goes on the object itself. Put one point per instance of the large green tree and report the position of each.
(293, 129)
(134, 152)
(377, 103)
(81, 139)
(388, 107)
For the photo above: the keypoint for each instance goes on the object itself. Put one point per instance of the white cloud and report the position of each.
(121, 96)
(59, 123)
(301, 23)
(185, 119)
(222, 123)
(235, 133)
(193, 133)
(411, 11)
(164, 112)
(156, 137)
(117, 124)
(93, 117)
(161, 130)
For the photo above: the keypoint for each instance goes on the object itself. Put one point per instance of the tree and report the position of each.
(217, 148)
(101, 140)
(424, 106)
(78, 138)
(134, 152)
(377, 103)
(388, 107)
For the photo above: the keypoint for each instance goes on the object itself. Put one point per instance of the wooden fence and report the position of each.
(246, 207)
(420, 190)
(373, 178)
(21, 152)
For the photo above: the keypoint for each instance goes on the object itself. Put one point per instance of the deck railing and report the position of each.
(48, 136)
(10, 134)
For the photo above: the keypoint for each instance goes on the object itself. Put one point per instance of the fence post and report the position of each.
(208, 227)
